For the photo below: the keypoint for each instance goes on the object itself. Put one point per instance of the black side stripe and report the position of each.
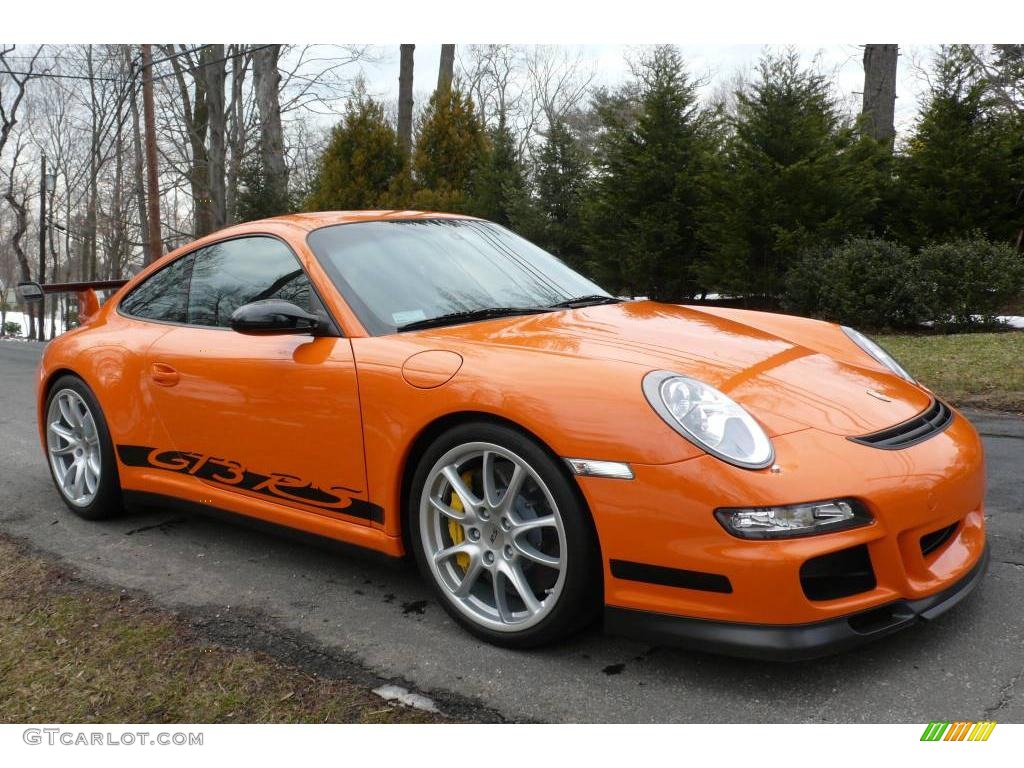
(671, 577)
(230, 474)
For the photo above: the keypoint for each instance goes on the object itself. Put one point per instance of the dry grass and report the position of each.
(978, 369)
(71, 652)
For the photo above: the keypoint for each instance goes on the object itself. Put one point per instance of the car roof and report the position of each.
(311, 221)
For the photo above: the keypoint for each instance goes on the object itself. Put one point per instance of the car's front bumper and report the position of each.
(666, 555)
(791, 642)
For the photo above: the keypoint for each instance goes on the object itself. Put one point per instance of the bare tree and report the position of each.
(9, 106)
(267, 82)
(215, 70)
(17, 197)
(194, 114)
(237, 126)
(405, 100)
(559, 79)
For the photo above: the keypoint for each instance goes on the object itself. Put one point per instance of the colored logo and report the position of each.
(959, 731)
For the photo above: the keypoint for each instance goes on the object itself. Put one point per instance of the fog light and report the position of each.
(792, 521)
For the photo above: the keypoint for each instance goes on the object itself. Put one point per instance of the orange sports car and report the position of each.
(436, 386)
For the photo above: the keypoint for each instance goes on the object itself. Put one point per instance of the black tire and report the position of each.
(107, 501)
(581, 597)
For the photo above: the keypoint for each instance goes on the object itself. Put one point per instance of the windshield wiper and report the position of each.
(467, 316)
(585, 301)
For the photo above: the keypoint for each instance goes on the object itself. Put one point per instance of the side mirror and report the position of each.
(29, 291)
(273, 316)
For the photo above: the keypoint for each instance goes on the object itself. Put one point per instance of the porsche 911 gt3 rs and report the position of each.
(434, 385)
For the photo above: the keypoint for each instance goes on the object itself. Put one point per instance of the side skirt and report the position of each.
(149, 500)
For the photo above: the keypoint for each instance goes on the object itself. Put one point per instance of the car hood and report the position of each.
(783, 383)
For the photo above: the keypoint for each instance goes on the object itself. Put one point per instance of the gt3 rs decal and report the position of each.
(231, 474)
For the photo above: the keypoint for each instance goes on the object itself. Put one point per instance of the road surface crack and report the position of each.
(1006, 694)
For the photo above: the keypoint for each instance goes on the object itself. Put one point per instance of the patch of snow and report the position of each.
(1015, 321)
(403, 696)
(22, 320)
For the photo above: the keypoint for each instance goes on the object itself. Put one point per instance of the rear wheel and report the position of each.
(80, 451)
(504, 537)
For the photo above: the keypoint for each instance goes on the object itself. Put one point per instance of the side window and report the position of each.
(227, 275)
(162, 296)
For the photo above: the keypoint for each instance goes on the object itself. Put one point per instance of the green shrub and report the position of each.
(864, 282)
(12, 328)
(968, 281)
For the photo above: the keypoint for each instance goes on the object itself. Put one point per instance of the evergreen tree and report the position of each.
(553, 218)
(795, 175)
(451, 147)
(963, 168)
(360, 162)
(643, 217)
(257, 198)
(500, 188)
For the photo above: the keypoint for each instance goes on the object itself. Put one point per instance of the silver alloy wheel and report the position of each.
(493, 536)
(73, 445)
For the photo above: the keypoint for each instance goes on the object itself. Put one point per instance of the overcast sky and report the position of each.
(715, 63)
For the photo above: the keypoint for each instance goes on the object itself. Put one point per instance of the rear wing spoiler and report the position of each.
(88, 303)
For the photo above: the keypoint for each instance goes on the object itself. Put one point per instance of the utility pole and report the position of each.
(152, 181)
(42, 244)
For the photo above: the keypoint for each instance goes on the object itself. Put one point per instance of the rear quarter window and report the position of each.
(162, 296)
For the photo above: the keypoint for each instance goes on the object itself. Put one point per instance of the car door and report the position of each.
(276, 417)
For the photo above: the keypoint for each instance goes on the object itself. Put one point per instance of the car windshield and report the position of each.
(420, 272)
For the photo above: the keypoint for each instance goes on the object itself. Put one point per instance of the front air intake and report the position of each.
(838, 574)
(930, 422)
(930, 542)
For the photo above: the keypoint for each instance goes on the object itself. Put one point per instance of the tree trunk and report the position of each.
(215, 70)
(55, 255)
(153, 183)
(446, 71)
(89, 262)
(879, 108)
(20, 229)
(405, 100)
(267, 85)
(139, 176)
(236, 130)
(196, 117)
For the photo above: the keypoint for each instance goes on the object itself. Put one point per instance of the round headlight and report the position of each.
(709, 419)
(876, 351)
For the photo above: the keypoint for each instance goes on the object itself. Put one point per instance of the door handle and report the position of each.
(163, 374)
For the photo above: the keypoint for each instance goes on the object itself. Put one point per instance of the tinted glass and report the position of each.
(227, 275)
(397, 272)
(162, 296)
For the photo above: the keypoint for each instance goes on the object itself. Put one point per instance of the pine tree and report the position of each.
(361, 161)
(553, 218)
(795, 175)
(643, 218)
(963, 168)
(257, 198)
(451, 147)
(500, 186)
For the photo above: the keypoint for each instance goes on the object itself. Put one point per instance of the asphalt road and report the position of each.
(380, 620)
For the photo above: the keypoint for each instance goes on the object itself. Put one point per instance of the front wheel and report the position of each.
(504, 537)
(80, 451)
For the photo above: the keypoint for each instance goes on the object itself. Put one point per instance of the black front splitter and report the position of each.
(790, 642)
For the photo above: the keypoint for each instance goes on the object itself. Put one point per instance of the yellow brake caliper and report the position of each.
(454, 529)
